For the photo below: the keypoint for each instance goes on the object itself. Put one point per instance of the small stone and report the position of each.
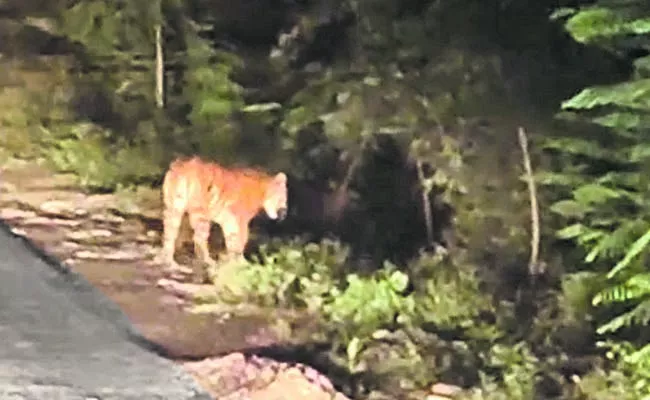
(51, 221)
(171, 300)
(124, 255)
(119, 255)
(70, 245)
(15, 213)
(90, 234)
(7, 187)
(106, 218)
(18, 231)
(87, 255)
(445, 390)
(55, 207)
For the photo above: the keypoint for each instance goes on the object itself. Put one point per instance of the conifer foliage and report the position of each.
(603, 173)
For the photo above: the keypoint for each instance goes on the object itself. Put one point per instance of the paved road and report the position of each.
(60, 338)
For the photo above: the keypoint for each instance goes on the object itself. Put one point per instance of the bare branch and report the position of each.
(533, 265)
(426, 201)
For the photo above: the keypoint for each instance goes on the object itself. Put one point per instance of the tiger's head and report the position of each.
(275, 199)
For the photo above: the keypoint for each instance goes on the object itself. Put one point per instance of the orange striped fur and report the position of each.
(208, 192)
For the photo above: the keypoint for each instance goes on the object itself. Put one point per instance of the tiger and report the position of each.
(209, 192)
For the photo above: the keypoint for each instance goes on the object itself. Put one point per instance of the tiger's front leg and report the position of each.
(236, 233)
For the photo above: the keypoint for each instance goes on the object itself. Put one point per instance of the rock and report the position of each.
(70, 245)
(109, 255)
(172, 300)
(107, 218)
(258, 378)
(90, 234)
(443, 391)
(15, 213)
(183, 288)
(18, 231)
(7, 187)
(45, 221)
(59, 207)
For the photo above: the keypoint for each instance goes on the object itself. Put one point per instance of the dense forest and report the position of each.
(467, 178)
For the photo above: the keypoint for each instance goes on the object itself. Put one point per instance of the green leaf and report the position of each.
(642, 64)
(594, 194)
(210, 108)
(640, 315)
(639, 153)
(594, 23)
(570, 209)
(631, 94)
(582, 147)
(558, 179)
(335, 125)
(399, 281)
(571, 231)
(623, 120)
(562, 12)
(353, 349)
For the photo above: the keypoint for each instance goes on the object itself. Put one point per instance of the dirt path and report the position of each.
(116, 254)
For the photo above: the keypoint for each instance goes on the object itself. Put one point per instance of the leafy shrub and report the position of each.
(355, 314)
(296, 275)
(632, 366)
(372, 322)
(518, 368)
(448, 293)
(617, 383)
(98, 165)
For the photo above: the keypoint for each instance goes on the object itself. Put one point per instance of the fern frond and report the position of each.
(570, 209)
(580, 147)
(637, 286)
(628, 180)
(616, 243)
(631, 94)
(626, 120)
(640, 315)
(572, 231)
(640, 152)
(642, 64)
(640, 358)
(594, 23)
(548, 178)
(595, 194)
(639, 246)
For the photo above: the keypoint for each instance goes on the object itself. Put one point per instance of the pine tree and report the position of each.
(604, 173)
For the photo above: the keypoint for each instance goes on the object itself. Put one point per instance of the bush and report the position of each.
(383, 324)
(98, 165)
(296, 275)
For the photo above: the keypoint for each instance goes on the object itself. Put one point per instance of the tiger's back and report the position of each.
(208, 193)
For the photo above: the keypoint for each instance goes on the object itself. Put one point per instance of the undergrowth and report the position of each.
(407, 330)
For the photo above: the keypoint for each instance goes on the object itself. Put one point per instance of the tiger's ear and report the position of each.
(280, 178)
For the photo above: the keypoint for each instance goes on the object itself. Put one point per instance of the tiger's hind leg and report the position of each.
(200, 223)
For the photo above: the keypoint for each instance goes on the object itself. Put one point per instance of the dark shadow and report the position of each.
(21, 40)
